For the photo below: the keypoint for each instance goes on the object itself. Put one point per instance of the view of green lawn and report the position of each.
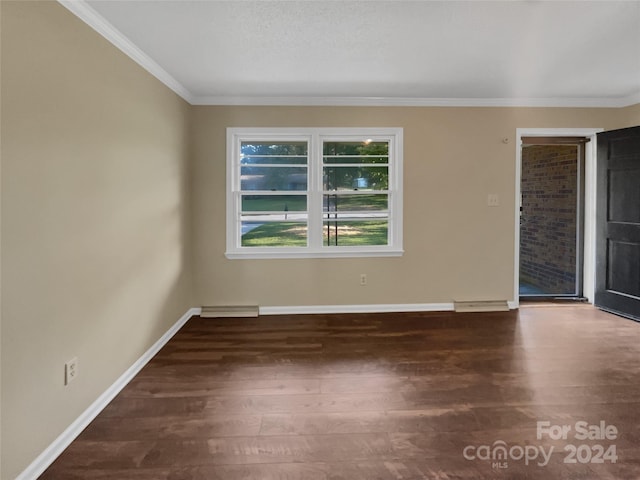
(290, 234)
(277, 234)
(274, 203)
(359, 233)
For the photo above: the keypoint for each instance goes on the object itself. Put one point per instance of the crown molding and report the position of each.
(82, 10)
(588, 102)
(88, 15)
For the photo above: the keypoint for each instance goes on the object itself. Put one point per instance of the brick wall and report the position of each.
(548, 227)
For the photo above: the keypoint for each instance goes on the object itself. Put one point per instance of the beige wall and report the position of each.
(94, 231)
(455, 246)
(631, 116)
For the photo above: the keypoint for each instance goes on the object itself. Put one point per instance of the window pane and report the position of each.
(274, 203)
(351, 216)
(356, 178)
(355, 233)
(261, 160)
(355, 148)
(274, 234)
(273, 178)
(355, 203)
(356, 159)
(355, 152)
(255, 218)
(262, 148)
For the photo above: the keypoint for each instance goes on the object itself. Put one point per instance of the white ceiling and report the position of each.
(381, 52)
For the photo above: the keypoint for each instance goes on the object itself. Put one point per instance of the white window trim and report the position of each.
(315, 136)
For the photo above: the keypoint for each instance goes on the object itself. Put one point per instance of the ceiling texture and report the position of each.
(274, 52)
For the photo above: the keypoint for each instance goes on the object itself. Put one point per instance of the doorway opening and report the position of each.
(555, 228)
(551, 217)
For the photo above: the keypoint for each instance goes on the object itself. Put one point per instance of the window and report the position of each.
(324, 192)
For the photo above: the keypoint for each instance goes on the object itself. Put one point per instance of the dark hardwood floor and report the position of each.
(376, 396)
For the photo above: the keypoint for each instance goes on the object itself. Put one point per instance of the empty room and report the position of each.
(319, 240)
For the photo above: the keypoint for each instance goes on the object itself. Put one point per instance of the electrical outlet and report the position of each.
(363, 279)
(70, 370)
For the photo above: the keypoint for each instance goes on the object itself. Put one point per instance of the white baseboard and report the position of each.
(47, 457)
(374, 308)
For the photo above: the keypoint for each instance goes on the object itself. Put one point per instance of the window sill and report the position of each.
(276, 253)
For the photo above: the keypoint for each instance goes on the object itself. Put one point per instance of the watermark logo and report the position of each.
(499, 453)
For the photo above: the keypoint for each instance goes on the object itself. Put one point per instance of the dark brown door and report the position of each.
(618, 222)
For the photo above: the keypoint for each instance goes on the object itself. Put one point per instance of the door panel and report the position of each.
(623, 277)
(624, 201)
(618, 222)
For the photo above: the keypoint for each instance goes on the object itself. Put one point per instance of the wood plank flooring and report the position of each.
(374, 396)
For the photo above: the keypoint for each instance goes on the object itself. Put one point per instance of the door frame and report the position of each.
(589, 252)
